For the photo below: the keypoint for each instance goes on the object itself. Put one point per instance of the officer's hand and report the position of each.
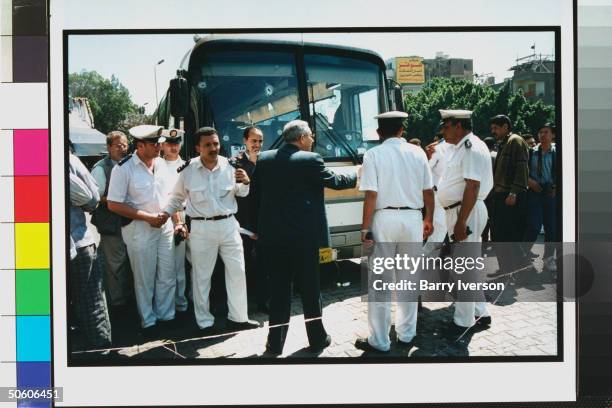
(242, 177)
(430, 149)
(153, 220)
(163, 217)
(254, 237)
(535, 186)
(427, 229)
(511, 200)
(460, 231)
(367, 241)
(181, 229)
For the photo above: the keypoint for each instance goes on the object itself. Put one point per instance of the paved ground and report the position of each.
(520, 327)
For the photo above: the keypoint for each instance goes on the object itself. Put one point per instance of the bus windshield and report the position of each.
(343, 98)
(236, 89)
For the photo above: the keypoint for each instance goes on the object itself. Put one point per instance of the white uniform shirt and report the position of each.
(134, 184)
(464, 162)
(209, 193)
(437, 163)
(398, 171)
(172, 167)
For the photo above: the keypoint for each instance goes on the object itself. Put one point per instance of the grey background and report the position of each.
(594, 149)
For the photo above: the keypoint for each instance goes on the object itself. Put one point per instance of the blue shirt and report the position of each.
(545, 174)
(84, 196)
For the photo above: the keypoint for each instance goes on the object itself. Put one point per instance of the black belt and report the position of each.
(402, 208)
(450, 207)
(215, 218)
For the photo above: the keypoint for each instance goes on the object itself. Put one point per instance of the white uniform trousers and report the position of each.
(151, 257)
(179, 269)
(439, 222)
(465, 311)
(404, 227)
(206, 240)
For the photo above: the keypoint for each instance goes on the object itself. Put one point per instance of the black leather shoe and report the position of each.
(454, 330)
(483, 320)
(272, 351)
(406, 344)
(166, 325)
(362, 344)
(150, 333)
(319, 347)
(248, 325)
(208, 331)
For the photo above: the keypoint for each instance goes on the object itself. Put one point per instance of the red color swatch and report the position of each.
(31, 199)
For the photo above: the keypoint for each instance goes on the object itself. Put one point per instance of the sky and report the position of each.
(133, 58)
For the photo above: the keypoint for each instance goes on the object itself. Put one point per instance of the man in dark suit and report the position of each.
(291, 227)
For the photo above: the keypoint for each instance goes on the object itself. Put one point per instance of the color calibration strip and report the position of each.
(25, 292)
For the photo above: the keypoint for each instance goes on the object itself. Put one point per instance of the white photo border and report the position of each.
(334, 383)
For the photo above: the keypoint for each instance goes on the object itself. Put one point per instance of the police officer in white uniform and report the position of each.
(139, 190)
(397, 182)
(171, 149)
(210, 185)
(437, 163)
(465, 184)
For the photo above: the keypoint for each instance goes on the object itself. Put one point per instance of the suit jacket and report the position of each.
(288, 188)
(246, 204)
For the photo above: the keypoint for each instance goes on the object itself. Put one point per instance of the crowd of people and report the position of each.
(259, 219)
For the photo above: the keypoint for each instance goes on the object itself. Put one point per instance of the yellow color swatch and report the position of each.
(32, 246)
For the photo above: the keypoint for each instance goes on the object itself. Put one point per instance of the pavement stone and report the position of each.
(519, 328)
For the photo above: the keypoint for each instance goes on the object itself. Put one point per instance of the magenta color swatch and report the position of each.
(31, 152)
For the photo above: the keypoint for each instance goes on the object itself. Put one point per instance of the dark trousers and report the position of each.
(257, 279)
(542, 211)
(285, 265)
(508, 226)
(486, 233)
(87, 295)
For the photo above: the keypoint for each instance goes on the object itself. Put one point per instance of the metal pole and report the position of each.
(155, 78)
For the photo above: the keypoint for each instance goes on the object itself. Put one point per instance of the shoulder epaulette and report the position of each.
(126, 158)
(183, 166)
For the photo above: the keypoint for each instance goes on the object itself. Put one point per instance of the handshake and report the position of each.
(157, 220)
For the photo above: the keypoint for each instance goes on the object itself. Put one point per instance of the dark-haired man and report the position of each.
(397, 183)
(510, 189)
(116, 265)
(171, 150)
(209, 185)
(256, 278)
(466, 182)
(138, 191)
(530, 140)
(542, 201)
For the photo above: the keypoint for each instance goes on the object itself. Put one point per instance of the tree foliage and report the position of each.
(110, 100)
(483, 100)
